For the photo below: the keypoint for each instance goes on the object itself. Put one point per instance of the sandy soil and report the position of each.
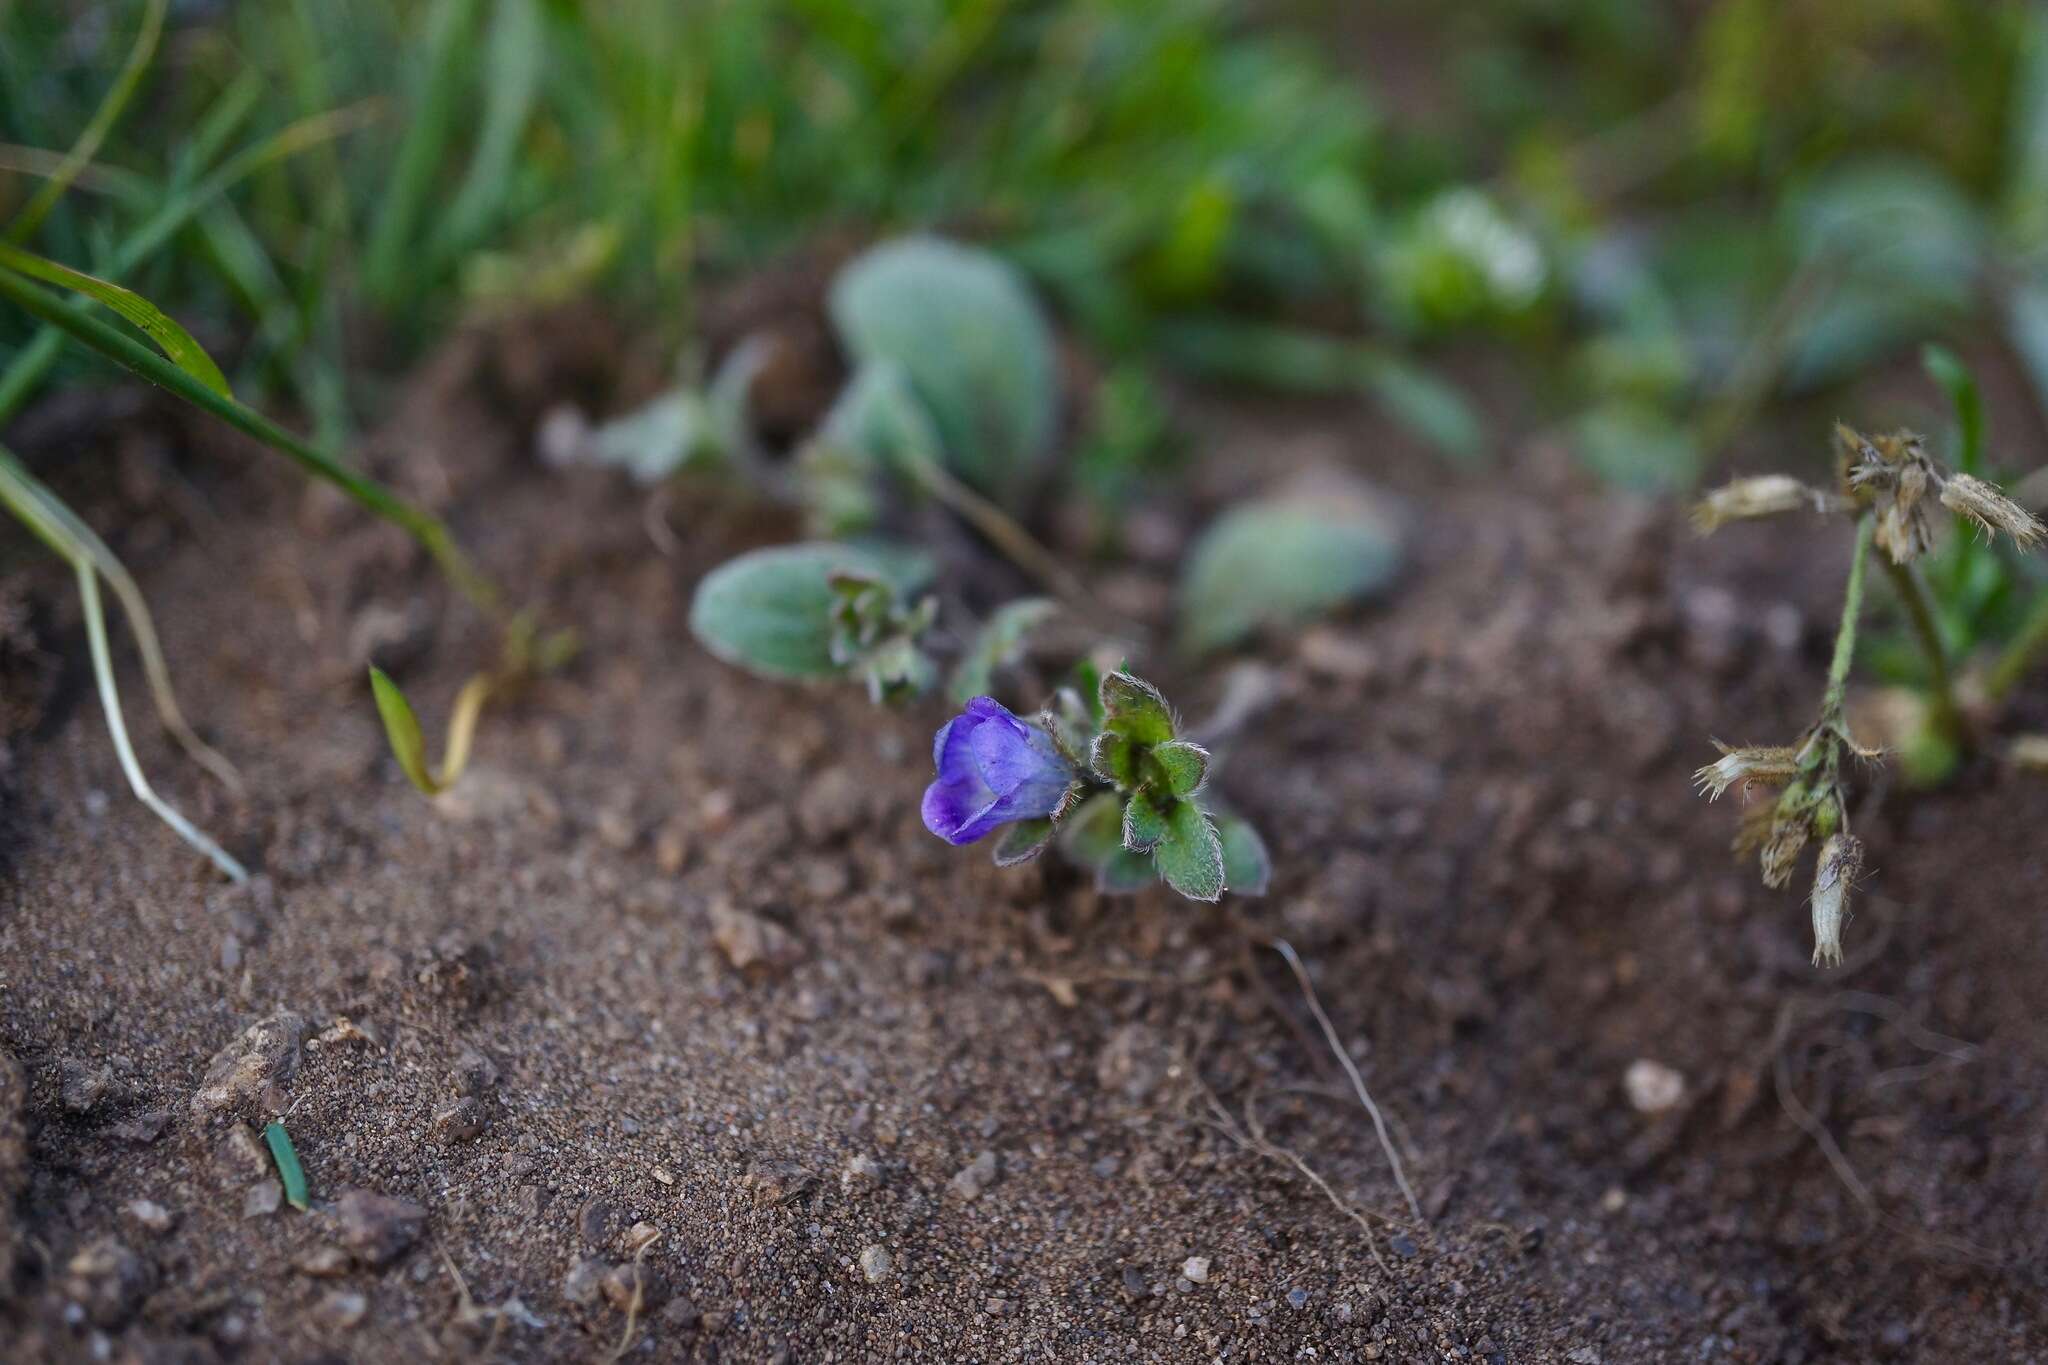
(678, 954)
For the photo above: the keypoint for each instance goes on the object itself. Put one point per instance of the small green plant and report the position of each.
(1107, 774)
(1891, 487)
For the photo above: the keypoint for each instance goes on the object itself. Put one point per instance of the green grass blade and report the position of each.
(178, 344)
(402, 728)
(286, 1156)
(145, 363)
(517, 48)
(103, 120)
(430, 124)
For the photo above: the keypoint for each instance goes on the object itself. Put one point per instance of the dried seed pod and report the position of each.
(1741, 767)
(1992, 511)
(1762, 496)
(1841, 860)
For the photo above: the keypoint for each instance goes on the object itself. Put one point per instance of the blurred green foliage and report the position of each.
(1673, 212)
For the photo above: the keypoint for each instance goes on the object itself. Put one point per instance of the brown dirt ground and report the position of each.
(1487, 850)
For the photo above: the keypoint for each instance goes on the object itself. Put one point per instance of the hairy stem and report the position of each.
(1948, 717)
(1845, 635)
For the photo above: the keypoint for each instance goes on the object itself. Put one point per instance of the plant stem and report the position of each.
(2020, 654)
(1845, 635)
(1948, 717)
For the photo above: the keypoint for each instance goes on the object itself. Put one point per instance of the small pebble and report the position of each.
(1297, 1298)
(462, 1121)
(262, 1199)
(1195, 1268)
(876, 1264)
(1652, 1086)
(975, 1177)
(150, 1216)
(1403, 1245)
(376, 1228)
(342, 1309)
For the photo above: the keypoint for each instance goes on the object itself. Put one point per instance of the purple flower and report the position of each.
(993, 769)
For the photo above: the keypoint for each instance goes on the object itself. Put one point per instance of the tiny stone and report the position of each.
(107, 1281)
(144, 1128)
(262, 1199)
(475, 1074)
(615, 828)
(1196, 1268)
(597, 1222)
(241, 1157)
(876, 1264)
(640, 1235)
(1105, 1168)
(150, 1216)
(376, 1227)
(1403, 1245)
(1184, 1285)
(1134, 1282)
(1652, 1087)
(624, 1284)
(84, 1087)
(342, 1309)
(861, 1169)
(967, 1185)
(779, 1182)
(662, 1174)
(681, 1312)
(264, 1054)
(462, 1121)
(1297, 1298)
(324, 1263)
(749, 940)
(581, 1286)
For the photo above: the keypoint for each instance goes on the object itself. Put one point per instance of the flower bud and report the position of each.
(1841, 859)
(1740, 767)
(1992, 511)
(993, 769)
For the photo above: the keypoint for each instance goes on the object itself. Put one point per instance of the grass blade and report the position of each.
(289, 1171)
(140, 360)
(177, 343)
(103, 120)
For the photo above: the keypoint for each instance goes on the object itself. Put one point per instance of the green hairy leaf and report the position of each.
(1190, 856)
(1093, 833)
(1185, 765)
(1023, 841)
(1282, 562)
(972, 344)
(1144, 825)
(1133, 708)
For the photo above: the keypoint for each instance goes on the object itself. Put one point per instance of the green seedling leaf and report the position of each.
(771, 611)
(1114, 759)
(1960, 386)
(1093, 832)
(1190, 857)
(972, 344)
(287, 1158)
(1133, 708)
(1023, 841)
(1124, 872)
(175, 342)
(1247, 867)
(1144, 824)
(1282, 562)
(402, 729)
(1185, 765)
(998, 644)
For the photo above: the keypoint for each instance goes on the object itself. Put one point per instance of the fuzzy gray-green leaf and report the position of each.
(997, 645)
(973, 344)
(770, 611)
(1093, 832)
(1247, 867)
(1022, 842)
(1114, 759)
(1190, 857)
(1124, 872)
(1282, 562)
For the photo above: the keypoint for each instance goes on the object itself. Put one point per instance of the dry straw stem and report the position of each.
(1379, 1123)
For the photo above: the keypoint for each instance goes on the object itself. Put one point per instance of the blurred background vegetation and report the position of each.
(1669, 213)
